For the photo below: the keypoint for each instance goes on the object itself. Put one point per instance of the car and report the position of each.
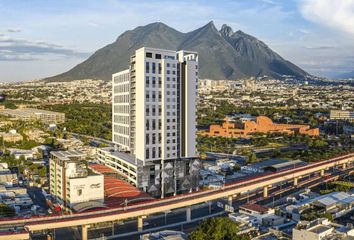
(146, 224)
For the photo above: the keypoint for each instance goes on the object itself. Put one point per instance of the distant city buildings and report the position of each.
(71, 183)
(31, 114)
(154, 121)
(342, 115)
(249, 85)
(78, 91)
(208, 85)
(261, 125)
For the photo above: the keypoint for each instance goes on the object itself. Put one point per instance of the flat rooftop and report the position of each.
(121, 155)
(255, 207)
(28, 111)
(267, 163)
(102, 169)
(66, 155)
(286, 164)
(319, 229)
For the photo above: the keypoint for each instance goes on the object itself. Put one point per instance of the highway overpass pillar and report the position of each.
(322, 172)
(84, 231)
(265, 191)
(344, 165)
(296, 181)
(229, 200)
(189, 214)
(140, 223)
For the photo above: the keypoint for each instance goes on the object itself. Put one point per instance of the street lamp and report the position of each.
(166, 212)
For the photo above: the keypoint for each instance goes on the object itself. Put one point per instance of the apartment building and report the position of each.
(71, 183)
(342, 115)
(154, 121)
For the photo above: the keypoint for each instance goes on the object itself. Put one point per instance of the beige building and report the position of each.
(342, 115)
(36, 135)
(11, 136)
(71, 183)
(32, 114)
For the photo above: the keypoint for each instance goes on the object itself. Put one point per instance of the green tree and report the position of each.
(221, 228)
(237, 167)
(6, 211)
(10, 105)
(42, 172)
(252, 158)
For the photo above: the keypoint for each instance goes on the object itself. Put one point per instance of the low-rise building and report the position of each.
(36, 135)
(255, 209)
(342, 115)
(11, 136)
(336, 203)
(32, 114)
(320, 229)
(71, 183)
(7, 178)
(18, 153)
(264, 216)
(262, 124)
(272, 165)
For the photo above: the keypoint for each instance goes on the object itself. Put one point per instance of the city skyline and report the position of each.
(47, 38)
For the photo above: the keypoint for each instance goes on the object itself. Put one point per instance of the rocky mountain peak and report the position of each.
(226, 30)
(223, 54)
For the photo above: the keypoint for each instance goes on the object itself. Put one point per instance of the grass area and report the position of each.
(272, 145)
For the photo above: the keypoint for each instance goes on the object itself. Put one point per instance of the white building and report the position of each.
(321, 229)
(154, 121)
(342, 115)
(70, 182)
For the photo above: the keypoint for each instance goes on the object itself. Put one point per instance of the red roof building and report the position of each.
(118, 192)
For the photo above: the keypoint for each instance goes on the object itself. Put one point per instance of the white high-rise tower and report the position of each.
(154, 118)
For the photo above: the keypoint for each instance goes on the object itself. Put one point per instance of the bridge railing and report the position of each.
(180, 197)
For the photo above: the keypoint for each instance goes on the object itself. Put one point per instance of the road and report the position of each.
(179, 215)
(37, 197)
(181, 201)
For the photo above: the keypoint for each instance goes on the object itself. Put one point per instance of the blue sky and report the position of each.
(39, 38)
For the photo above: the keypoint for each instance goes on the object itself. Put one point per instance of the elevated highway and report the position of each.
(141, 210)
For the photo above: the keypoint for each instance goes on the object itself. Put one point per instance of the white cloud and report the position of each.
(337, 14)
(15, 49)
(13, 30)
(92, 24)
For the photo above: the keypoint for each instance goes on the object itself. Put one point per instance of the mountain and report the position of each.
(223, 54)
(346, 75)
